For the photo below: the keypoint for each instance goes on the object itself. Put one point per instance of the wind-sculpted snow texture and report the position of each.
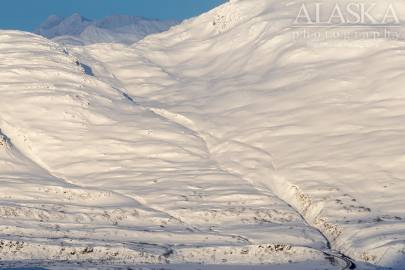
(222, 141)
(87, 173)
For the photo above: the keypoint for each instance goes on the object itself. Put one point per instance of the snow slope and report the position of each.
(221, 141)
(77, 30)
(88, 173)
(318, 123)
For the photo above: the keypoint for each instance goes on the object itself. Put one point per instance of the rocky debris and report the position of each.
(3, 139)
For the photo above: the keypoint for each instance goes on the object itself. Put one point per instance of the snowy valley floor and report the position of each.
(316, 265)
(218, 142)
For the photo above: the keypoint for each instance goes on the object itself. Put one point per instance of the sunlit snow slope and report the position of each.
(318, 124)
(88, 173)
(221, 141)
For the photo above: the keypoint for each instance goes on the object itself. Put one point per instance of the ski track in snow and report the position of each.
(217, 142)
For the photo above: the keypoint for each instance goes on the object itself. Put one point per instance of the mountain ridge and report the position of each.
(111, 29)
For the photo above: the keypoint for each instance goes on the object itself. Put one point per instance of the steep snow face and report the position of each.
(77, 30)
(317, 122)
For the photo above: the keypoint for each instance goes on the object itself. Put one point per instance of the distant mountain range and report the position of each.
(78, 30)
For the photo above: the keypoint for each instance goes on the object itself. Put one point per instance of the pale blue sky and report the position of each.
(27, 14)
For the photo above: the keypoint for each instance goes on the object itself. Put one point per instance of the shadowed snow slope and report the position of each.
(223, 140)
(76, 30)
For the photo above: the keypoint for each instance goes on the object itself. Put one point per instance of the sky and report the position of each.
(28, 14)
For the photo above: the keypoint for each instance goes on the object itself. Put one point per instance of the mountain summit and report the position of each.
(78, 30)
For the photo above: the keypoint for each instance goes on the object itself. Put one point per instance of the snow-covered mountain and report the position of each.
(229, 139)
(77, 30)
